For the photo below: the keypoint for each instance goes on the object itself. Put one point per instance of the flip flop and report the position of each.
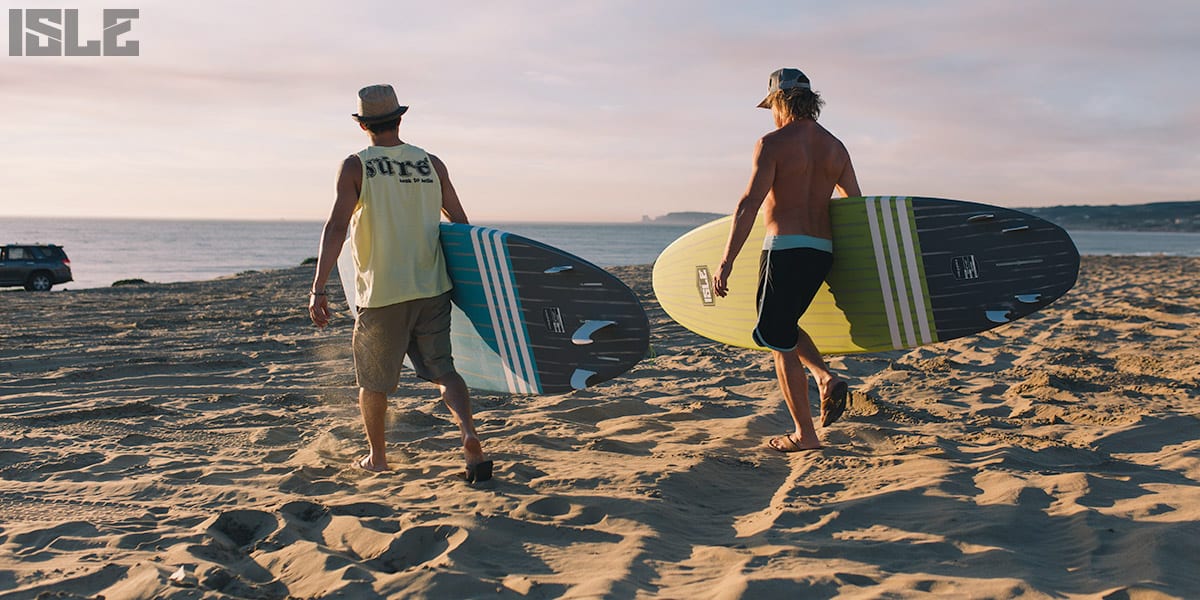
(364, 464)
(787, 444)
(478, 472)
(833, 411)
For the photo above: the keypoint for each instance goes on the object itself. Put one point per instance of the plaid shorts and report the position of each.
(383, 336)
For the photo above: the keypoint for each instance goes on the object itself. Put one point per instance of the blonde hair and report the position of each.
(797, 103)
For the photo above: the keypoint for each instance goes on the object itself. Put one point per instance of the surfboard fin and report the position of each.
(998, 316)
(1029, 298)
(579, 379)
(583, 335)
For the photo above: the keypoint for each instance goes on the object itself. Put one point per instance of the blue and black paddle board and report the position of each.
(529, 318)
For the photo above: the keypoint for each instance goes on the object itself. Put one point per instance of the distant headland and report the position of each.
(1156, 216)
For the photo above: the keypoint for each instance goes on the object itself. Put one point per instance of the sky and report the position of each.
(601, 111)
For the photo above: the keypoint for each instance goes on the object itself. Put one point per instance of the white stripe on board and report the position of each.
(897, 272)
(889, 306)
(523, 354)
(914, 279)
(493, 310)
(503, 287)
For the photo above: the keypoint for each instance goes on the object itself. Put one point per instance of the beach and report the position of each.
(196, 440)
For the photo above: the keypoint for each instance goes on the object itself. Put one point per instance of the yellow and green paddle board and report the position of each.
(906, 272)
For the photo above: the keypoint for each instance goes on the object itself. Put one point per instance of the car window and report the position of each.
(17, 254)
(36, 253)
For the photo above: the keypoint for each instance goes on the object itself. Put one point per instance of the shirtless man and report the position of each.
(797, 167)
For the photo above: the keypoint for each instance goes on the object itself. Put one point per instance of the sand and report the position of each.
(195, 440)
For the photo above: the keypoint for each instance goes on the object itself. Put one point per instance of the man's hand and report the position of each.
(721, 279)
(318, 309)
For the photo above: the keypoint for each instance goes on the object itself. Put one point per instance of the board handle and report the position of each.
(558, 269)
(583, 335)
(1015, 229)
(980, 217)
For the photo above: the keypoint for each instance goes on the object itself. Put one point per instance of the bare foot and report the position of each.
(365, 464)
(790, 443)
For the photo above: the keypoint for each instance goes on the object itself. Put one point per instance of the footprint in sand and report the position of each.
(308, 513)
(419, 545)
(314, 481)
(565, 512)
(239, 529)
(363, 509)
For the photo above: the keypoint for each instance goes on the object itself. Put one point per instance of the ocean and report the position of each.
(106, 250)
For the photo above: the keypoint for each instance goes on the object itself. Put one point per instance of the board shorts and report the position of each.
(383, 336)
(791, 270)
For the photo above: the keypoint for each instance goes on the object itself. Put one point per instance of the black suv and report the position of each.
(35, 266)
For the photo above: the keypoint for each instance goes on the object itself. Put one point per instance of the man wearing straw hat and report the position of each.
(797, 168)
(390, 198)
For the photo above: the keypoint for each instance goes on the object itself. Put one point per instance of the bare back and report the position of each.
(808, 164)
(796, 169)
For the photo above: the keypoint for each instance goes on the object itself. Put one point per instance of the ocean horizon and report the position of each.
(105, 250)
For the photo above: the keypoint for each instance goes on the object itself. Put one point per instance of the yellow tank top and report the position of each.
(394, 230)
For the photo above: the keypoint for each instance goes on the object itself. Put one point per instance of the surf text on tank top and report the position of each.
(394, 230)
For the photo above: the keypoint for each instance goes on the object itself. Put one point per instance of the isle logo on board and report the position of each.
(704, 284)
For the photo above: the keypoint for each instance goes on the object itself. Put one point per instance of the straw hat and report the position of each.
(377, 103)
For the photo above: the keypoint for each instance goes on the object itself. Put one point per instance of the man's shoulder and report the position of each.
(781, 138)
(771, 141)
(809, 133)
(787, 134)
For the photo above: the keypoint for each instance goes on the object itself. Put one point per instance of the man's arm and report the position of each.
(847, 184)
(451, 207)
(761, 178)
(333, 236)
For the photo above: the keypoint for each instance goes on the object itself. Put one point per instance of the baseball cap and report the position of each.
(784, 79)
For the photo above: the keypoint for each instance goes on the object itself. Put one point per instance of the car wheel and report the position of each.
(39, 282)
